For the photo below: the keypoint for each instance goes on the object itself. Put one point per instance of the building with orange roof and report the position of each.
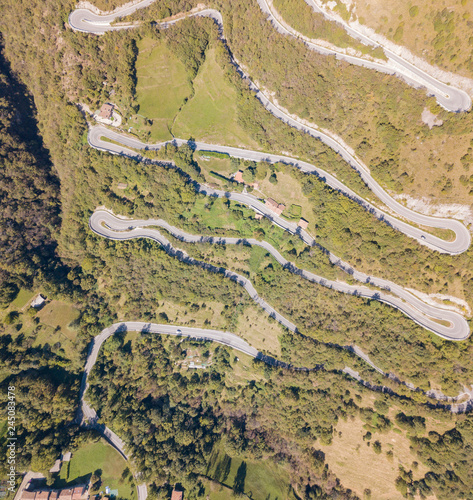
(177, 495)
(274, 206)
(238, 177)
(303, 224)
(106, 111)
(42, 495)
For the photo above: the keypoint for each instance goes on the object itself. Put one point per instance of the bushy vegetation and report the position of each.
(172, 419)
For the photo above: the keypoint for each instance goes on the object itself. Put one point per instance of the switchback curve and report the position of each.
(109, 226)
(451, 98)
(457, 246)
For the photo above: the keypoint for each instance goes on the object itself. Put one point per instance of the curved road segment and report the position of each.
(452, 99)
(88, 414)
(459, 245)
(107, 225)
(462, 235)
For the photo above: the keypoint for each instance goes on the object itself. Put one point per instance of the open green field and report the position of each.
(260, 480)
(216, 491)
(162, 87)
(98, 456)
(53, 328)
(211, 115)
(208, 164)
(22, 298)
(59, 315)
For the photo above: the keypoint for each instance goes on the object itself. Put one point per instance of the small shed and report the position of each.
(66, 457)
(303, 224)
(38, 301)
(177, 495)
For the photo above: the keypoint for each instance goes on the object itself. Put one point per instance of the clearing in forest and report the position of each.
(162, 86)
(211, 115)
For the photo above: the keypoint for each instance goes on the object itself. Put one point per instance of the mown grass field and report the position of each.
(162, 87)
(22, 298)
(59, 315)
(211, 115)
(260, 480)
(93, 457)
(164, 95)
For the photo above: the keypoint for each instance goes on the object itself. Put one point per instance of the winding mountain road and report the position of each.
(452, 99)
(88, 417)
(109, 226)
(462, 235)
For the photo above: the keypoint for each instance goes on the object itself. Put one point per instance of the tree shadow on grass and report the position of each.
(239, 483)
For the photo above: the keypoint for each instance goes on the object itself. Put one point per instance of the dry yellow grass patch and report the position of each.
(254, 325)
(259, 331)
(431, 162)
(423, 27)
(359, 467)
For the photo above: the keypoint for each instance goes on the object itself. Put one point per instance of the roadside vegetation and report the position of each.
(300, 16)
(198, 406)
(439, 32)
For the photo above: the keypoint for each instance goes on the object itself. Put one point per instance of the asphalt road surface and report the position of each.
(109, 226)
(462, 235)
(89, 416)
(449, 97)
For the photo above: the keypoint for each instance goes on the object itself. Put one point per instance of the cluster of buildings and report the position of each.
(274, 206)
(278, 209)
(79, 492)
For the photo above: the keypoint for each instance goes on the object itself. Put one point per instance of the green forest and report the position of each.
(240, 427)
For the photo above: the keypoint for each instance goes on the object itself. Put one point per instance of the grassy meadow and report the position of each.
(211, 115)
(52, 325)
(101, 459)
(259, 479)
(162, 87)
(204, 109)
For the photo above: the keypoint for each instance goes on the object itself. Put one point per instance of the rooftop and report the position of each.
(106, 111)
(177, 495)
(303, 224)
